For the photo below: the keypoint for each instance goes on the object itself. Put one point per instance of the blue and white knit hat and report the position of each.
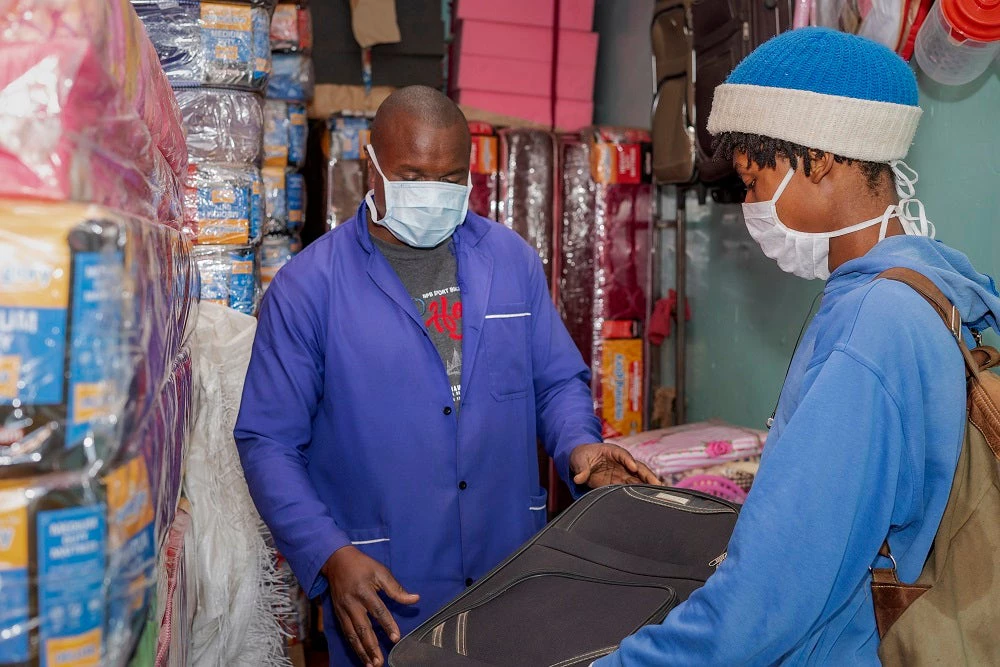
(822, 89)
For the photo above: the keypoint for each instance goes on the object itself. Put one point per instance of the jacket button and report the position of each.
(463, 486)
(447, 410)
(469, 582)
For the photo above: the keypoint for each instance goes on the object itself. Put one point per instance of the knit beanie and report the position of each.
(822, 89)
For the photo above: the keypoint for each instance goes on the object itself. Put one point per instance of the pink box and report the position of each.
(570, 114)
(523, 77)
(573, 14)
(525, 42)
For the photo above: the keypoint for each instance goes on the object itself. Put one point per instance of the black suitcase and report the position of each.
(619, 558)
(725, 32)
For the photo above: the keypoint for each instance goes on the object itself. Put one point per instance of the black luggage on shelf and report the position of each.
(619, 558)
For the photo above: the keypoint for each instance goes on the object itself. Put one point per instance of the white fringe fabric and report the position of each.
(241, 595)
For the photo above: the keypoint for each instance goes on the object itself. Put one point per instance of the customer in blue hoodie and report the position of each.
(870, 421)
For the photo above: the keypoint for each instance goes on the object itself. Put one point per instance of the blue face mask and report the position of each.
(421, 214)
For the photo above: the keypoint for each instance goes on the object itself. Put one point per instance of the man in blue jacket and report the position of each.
(869, 425)
(404, 367)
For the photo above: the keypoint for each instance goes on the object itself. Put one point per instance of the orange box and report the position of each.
(622, 387)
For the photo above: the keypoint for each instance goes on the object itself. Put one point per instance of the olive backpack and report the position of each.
(951, 614)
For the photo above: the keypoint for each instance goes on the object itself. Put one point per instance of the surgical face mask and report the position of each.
(806, 254)
(421, 214)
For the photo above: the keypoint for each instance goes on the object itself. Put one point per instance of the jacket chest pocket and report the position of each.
(506, 338)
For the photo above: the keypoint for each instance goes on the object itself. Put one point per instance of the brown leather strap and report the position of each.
(948, 312)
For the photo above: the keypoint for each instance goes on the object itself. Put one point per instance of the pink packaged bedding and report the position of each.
(86, 113)
(674, 453)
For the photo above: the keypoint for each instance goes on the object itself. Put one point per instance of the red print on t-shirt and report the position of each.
(445, 319)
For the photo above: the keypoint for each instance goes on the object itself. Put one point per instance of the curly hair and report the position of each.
(765, 150)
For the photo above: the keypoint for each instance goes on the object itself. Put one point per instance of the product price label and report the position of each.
(71, 547)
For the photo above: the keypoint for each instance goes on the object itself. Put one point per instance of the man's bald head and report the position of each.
(415, 107)
(418, 135)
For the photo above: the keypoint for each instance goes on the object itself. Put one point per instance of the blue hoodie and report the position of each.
(864, 445)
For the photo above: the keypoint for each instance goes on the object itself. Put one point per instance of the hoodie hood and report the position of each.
(973, 293)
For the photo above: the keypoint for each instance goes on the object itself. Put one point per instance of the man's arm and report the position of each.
(565, 407)
(818, 512)
(283, 388)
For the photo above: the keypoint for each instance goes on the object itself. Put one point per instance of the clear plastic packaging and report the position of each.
(604, 274)
(291, 27)
(222, 125)
(958, 41)
(286, 131)
(223, 204)
(276, 250)
(484, 169)
(76, 567)
(94, 307)
(528, 184)
(346, 177)
(284, 200)
(86, 113)
(209, 42)
(292, 78)
(230, 276)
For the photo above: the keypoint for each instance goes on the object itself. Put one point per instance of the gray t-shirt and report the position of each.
(430, 276)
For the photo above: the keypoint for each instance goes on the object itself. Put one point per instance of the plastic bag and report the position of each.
(86, 113)
(230, 276)
(284, 200)
(286, 131)
(275, 251)
(346, 181)
(291, 27)
(94, 307)
(222, 125)
(223, 204)
(292, 78)
(208, 42)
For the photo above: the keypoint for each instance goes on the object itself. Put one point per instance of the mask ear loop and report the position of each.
(905, 179)
(889, 214)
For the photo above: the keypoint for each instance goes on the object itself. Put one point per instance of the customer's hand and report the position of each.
(355, 583)
(599, 465)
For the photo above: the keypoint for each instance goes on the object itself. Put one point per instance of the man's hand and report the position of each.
(599, 465)
(355, 582)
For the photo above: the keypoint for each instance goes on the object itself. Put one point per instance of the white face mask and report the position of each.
(421, 214)
(806, 254)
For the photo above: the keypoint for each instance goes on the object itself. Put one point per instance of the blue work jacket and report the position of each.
(347, 431)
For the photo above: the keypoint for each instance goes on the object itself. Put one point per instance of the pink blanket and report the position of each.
(86, 112)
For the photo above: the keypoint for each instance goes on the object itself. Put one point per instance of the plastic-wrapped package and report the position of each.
(223, 203)
(275, 199)
(230, 276)
(483, 167)
(291, 27)
(603, 283)
(210, 42)
(528, 181)
(295, 191)
(704, 448)
(91, 69)
(222, 125)
(292, 78)
(85, 111)
(94, 306)
(286, 131)
(76, 566)
(276, 250)
(346, 181)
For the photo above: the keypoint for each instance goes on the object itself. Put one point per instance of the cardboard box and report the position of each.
(621, 388)
(573, 14)
(524, 42)
(523, 77)
(570, 114)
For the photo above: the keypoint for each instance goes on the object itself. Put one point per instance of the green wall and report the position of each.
(747, 313)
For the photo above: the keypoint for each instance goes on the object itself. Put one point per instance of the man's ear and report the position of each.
(820, 164)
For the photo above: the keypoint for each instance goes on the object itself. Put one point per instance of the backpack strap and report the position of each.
(945, 308)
